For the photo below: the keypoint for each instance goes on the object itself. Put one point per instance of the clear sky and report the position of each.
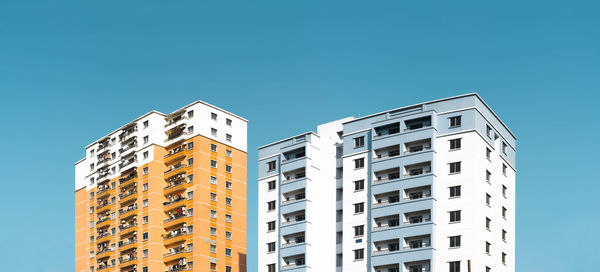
(72, 71)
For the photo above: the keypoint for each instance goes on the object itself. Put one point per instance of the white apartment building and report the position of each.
(423, 188)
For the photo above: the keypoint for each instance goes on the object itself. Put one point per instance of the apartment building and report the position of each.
(422, 188)
(165, 192)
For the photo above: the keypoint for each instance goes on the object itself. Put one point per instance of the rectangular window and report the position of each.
(190, 161)
(190, 178)
(455, 144)
(359, 163)
(228, 153)
(145, 124)
(504, 148)
(228, 122)
(145, 154)
(359, 254)
(488, 176)
(213, 163)
(503, 235)
(271, 185)
(271, 166)
(454, 167)
(271, 247)
(271, 268)
(454, 266)
(488, 131)
(359, 230)
(503, 190)
(503, 258)
(213, 266)
(454, 191)
(228, 201)
(145, 170)
(213, 147)
(271, 205)
(228, 235)
(488, 247)
(145, 202)
(504, 169)
(145, 219)
(213, 131)
(213, 180)
(213, 249)
(228, 137)
(145, 236)
(228, 168)
(228, 218)
(488, 223)
(213, 231)
(213, 116)
(488, 153)
(228, 185)
(359, 142)
(455, 121)
(190, 114)
(359, 185)
(190, 145)
(359, 207)
(454, 241)
(271, 226)
(145, 187)
(228, 252)
(504, 212)
(488, 199)
(454, 216)
(213, 214)
(213, 196)
(190, 129)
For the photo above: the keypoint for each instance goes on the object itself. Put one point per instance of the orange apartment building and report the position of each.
(164, 193)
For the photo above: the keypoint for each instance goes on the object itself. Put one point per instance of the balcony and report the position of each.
(128, 146)
(127, 131)
(294, 175)
(175, 219)
(127, 178)
(128, 210)
(128, 244)
(387, 130)
(391, 268)
(180, 265)
(128, 259)
(177, 235)
(126, 165)
(293, 262)
(417, 193)
(128, 226)
(104, 236)
(103, 158)
(293, 239)
(387, 175)
(293, 217)
(418, 266)
(103, 222)
(387, 152)
(174, 133)
(417, 169)
(176, 150)
(417, 123)
(103, 253)
(175, 117)
(417, 146)
(386, 222)
(417, 217)
(128, 195)
(103, 189)
(294, 154)
(386, 246)
(416, 242)
(176, 252)
(293, 196)
(387, 198)
(102, 144)
(175, 198)
(104, 265)
(176, 167)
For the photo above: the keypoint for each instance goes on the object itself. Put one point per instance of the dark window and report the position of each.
(455, 167)
(454, 266)
(488, 131)
(455, 241)
(271, 226)
(271, 247)
(455, 191)
(271, 268)
(359, 254)
(455, 216)
(271, 165)
(359, 230)
(488, 247)
(271, 185)
(455, 144)
(359, 207)
(359, 163)
(359, 141)
(359, 185)
(455, 121)
(271, 205)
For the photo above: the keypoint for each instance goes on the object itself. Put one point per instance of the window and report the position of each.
(92, 209)
(213, 214)
(488, 223)
(190, 161)
(145, 154)
(359, 254)
(228, 185)
(145, 170)
(228, 168)
(228, 235)
(190, 145)
(488, 199)
(359, 163)
(145, 139)
(213, 180)
(271, 205)
(213, 131)
(213, 249)
(271, 185)
(228, 122)
(190, 194)
(228, 153)
(454, 167)
(190, 177)
(359, 207)
(455, 144)
(503, 235)
(488, 176)
(91, 181)
(228, 137)
(213, 196)
(359, 185)
(271, 268)
(503, 258)
(228, 201)
(454, 266)
(145, 236)
(145, 253)
(359, 230)
(271, 247)
(504, 212)
(228, 268)
(213, 147)
(271, 165)
(228, 252)
(145, 203)
(228, 218)
(145, 219)
(92, 166)
(145, 187)
(271, 226)
(213, 266)
(488, 247)
(213, 231)
(488, 131)
(503, 190)
(504, 169)
(454, 216)
(454, 191)
(146, 124)
(359, 142)
(504, 148)
(488, 153)
(91, 195)
(213, 163)
(190, 114)
(454, 241)
(455, 121)
(145, 269)
(213, 116)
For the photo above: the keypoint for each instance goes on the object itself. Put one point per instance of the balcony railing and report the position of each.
(175, 151)
(389, 200)
(127, 225)
(127, 163)
(176, 233)
(294, 177)
(128, 209)
(104, 234)
(417, 172)
(176, 167)
(388, 177)
(126, 243)
(176, 183)
(417, 221)
(176, 216)
(174, 201)
(417, 195)
(417, 246)
(294, 220)
(388, 155)
(388, 224)
(175, 251)
(128, 178)
(126, 194)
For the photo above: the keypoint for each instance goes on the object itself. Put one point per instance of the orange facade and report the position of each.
(186, 212)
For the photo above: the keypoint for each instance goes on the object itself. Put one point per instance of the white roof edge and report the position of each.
(288, 138)
(79, 161)
(440, 100)
(214, 107)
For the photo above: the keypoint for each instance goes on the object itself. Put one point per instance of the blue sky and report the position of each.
(72, 71)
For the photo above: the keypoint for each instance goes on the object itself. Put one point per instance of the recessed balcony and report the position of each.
(176, 252)
(128, 195)
(176, 167)
(417, 217)
(387, 175)
(294, 175)
(128, 225)
(294, 154)
(127, 211)
(293, 239)
(128, 243)
(175, 132)
(387, 152)
(293, 196)
(127, 132)
(417, 242)
(387, 222)
(417, 193)
(176, 235)
(293, 262)
(386, 199)
(128, 258)
(179, 265)
(387, 246)
(417, 169)
(293, 217)
(387, 130)
(417, 146)
(418, 123)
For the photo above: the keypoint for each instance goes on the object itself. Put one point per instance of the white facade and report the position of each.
(151, 129)
(394, 193)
